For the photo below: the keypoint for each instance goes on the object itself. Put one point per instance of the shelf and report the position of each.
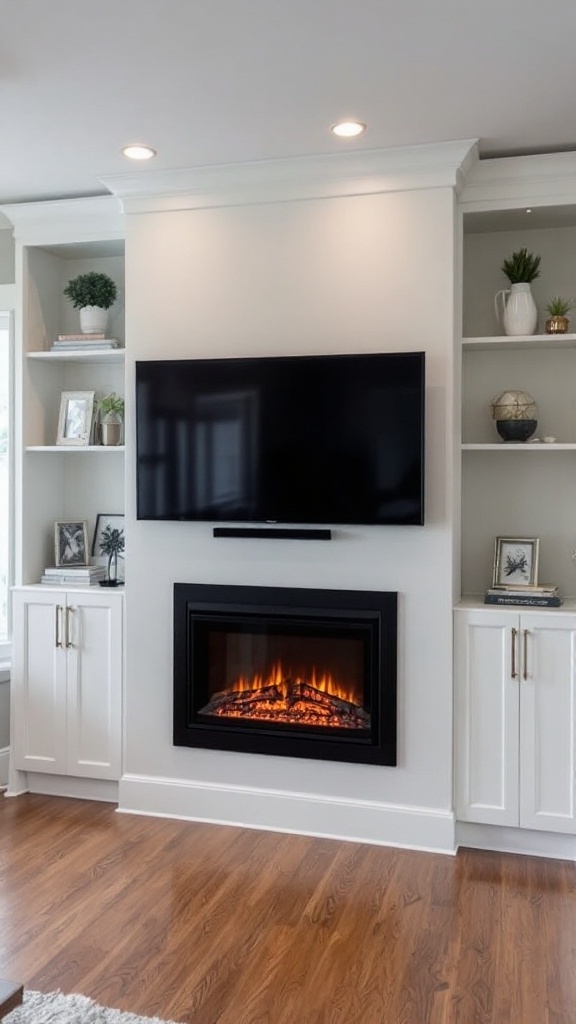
(88, 449)
(557, 447)
(115, 355)
(475, 602)
(524, 341)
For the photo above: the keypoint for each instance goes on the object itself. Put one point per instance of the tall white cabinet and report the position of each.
(66, 684)
(515, 668)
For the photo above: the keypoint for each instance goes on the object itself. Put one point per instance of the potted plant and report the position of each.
(557, 308)
(112, 545)
(93, 294)
(515, 306)
(111, 410)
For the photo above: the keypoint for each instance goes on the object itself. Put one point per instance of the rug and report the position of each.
(56, 1008)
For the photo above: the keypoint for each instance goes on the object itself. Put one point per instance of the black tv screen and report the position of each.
(334, 439)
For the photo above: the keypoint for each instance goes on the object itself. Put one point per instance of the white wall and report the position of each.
(362, 273)
(6, 255)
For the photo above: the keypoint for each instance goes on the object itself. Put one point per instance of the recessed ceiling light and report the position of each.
(528, 210)
(136, 151)
(348, 129)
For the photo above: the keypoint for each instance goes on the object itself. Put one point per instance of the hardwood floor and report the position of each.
(209, 924)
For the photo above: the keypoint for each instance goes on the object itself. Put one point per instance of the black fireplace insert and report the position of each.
(292, 672)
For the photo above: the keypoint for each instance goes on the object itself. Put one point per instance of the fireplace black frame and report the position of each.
(376, 608)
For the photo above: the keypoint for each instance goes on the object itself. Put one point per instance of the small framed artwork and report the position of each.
(516, 561)
(71, 543)
(108, 540)
(75, 420)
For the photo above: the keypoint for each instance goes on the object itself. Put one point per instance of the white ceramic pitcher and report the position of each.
(516, 309)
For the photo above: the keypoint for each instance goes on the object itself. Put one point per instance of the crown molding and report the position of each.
(361, 172)
(508, 182)
(63, 221)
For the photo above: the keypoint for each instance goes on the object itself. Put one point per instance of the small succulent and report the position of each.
(92, 289)
(111, 405)
(521, 267)
(559, 306)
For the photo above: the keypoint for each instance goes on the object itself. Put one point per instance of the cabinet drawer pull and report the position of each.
(525, 655)
(69, 614)
(513, 670)
(58, 625)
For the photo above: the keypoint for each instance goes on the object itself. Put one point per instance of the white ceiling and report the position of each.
(211, 82)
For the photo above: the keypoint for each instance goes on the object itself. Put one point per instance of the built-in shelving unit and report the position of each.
(54, 243)
(517, 490)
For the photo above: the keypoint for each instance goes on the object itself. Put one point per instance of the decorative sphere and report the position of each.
(514, 405)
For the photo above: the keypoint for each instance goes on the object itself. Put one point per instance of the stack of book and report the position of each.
(83, 342)
(74, 575)
(544, 596)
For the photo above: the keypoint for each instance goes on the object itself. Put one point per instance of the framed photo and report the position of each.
(75, 420)
(71, 543)
(116, 522)
(515, 561)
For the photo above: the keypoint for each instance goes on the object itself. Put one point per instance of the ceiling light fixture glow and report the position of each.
(348, 129)
(137, 151)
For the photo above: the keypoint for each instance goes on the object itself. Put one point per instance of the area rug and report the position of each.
(56, 1008)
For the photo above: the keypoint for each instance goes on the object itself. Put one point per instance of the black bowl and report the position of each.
(516, 430)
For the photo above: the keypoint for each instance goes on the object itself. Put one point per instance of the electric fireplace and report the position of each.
(299, 673)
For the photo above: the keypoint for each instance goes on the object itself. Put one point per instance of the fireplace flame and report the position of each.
(284, 697)
(281, 676)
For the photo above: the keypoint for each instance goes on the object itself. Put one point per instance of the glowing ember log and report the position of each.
(293, 701)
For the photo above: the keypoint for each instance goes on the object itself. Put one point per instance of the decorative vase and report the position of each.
(93, 320)
(516, 310)
(515, 431)
(557, 325)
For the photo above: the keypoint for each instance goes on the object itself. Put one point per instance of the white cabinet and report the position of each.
(67, 682)
(515, 718)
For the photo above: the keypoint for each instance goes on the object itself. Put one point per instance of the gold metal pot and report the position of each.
(111, 433)
(557, 325)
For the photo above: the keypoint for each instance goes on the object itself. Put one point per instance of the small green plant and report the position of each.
(521, 267)
(111, 405)
(92, 289)
(112, 545)
(559, 306)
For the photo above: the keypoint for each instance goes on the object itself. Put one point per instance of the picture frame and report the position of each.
(116, 521)
(71, 543)
(515, 562)
(75, 418)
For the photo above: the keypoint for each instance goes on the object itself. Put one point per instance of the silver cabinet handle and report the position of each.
(58, 626)
(513, 669)
(525, 654)
(69, 614)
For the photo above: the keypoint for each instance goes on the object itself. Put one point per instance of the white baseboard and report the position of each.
(4, 765)
(71, 786)
(414, 828)
(516, 840)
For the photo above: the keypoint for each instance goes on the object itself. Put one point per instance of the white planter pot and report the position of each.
(93, 320)
(516, 310)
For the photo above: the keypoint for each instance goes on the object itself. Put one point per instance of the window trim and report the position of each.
(8, 305)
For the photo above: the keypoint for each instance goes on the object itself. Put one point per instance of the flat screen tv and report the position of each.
(331, 439)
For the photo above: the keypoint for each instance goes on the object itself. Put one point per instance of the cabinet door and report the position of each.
(38, 683)
(487, 716)
(94, 663)
(547, 722)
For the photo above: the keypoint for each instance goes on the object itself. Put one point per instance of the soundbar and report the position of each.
(274, 532)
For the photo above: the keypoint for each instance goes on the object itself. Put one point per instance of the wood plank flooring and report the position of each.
(216, 925)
